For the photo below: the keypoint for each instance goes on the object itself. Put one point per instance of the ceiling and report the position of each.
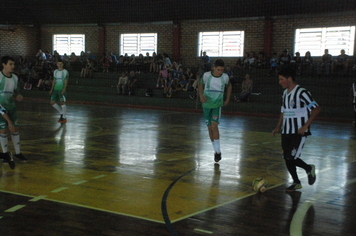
(39, 12)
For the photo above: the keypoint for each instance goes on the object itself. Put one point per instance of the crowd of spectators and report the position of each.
(172, 76)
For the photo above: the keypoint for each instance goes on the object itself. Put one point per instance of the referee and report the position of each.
(298, 110)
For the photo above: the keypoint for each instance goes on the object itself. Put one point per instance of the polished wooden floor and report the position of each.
(122, 171)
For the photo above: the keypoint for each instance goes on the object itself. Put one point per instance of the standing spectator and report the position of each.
(325, 64)
(246, 90)
(298, 111)
(211, 92)
(106, 60)
(8, 110)
(307, 64)
(252, 61)
(58, 91)
(146, 63)
(206, 62)
(230, 73)
(132, 83)
(341, 63)
(122, 84)
(296, 63)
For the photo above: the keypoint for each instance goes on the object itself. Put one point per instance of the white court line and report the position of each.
(99, 176)
(15, 208)
(35, 199)
(298, 217)
(80, 182)
(203, 231)
(58, 190)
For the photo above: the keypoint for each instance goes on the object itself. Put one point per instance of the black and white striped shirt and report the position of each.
(296, 108)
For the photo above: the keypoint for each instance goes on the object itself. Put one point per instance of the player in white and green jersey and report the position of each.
(211, 91)
(58, 91)
(9, 93)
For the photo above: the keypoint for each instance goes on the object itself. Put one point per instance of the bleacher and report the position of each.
(331, 93)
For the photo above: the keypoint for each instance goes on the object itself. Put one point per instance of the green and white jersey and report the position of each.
(8, 86)
(60, 76)
(214, 89)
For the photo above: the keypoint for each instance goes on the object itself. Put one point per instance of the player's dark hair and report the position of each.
(6, 59)
(60, 60)
(219, 62)
(288, 72)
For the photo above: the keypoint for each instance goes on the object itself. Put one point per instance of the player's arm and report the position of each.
(314, 113)
(53, 84)
(4, 114)
(279, 124)
(17, 94)
(228, 95)
(201, 91)
(65, 86)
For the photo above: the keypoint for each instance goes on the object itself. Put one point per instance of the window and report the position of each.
(68, 43)
(221, 43)
(316, 40)
(138, 43)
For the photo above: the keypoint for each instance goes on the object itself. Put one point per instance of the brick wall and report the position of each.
(22, 41)
(27, 40)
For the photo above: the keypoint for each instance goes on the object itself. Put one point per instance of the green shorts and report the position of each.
(57, 96)
(212, 114)
(13, 117)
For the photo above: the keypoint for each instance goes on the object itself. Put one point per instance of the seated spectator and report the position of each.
(169, 85)
(132, 83)
(74, 62)
(87, 71)
(195, 84)
(296, 63)
(162, 76)
(146, 62)
(325, 64)
(132, 62)
(139, 63)
(183, 84)
(230, 73)
(307, 64)
(252, 61)
(274, 61)
(113, 62)
(243, 63)
(246, 90)
(66, 60)
(284, 59)
(340, 63)
(120, 63)
(49, 57)
(153, 64)
(261, 61)
(41, 55)
(106, 60)
(122, 84)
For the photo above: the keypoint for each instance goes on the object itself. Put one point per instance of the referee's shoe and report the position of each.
(311, 175)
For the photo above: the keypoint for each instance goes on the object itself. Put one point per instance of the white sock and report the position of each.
(16, 141)
(216, 145)
(58, 108)
(3, 141)
(64, 110)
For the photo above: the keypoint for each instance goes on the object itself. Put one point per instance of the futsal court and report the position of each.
(127, 171)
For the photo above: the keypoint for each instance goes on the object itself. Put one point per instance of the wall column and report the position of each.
(267, 46)
(101, 41)
(176, 42)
